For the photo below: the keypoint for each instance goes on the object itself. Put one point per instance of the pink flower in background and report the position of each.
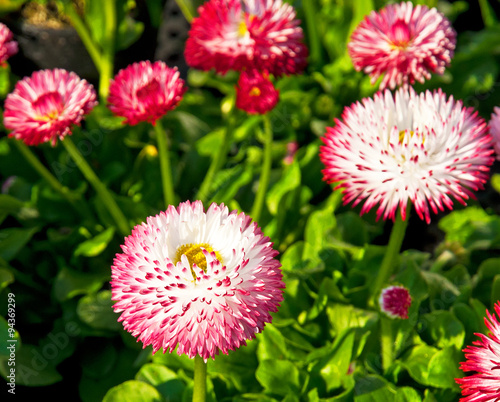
(425, 148)
(484, 359)
(145, 91)
(44, 107)
(255, 93)
(395, 301)
(200, 281)
(247, 34)
(495, 130)
(292, 147)
(8, 46)
(406, 43)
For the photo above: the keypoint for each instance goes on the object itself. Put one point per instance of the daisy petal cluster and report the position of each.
(255, 93)
(246, 34)
(145, 91)
(395, 301)
(44, 107)
(389, 149)
(8, 46)
(495, 130)
(484, 359)
(200, 281)
(405, 42)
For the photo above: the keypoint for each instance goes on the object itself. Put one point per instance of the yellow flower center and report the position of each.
(402, 135)
(242, 29)
(254, 91)
(194, 254)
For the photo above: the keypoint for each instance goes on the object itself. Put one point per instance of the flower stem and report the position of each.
(266, 170)
(386, 342)
(84, 34)
(103, 193)
(166, 171)
(217, 162)
(107, 60)
(186, 8)
(310, 11)
(200, 379)
(391, 254)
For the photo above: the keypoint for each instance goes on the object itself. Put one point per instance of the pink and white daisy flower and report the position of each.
(406, 43)
(44, 107)
(200, 281)
(8, 46)
(484, 359)
(395, 301)
(390, 149)
(255, 93)
(246, 34)
(145, 91)
(495, 130)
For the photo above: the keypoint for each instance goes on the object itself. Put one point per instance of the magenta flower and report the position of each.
(393, 148)
(200, 281)
(404, 42)
(145, 92)
(44, 107)
(395, 301)
(495, 130)
(255, 93)
(484, 359)
(8, 46)
(247, 34)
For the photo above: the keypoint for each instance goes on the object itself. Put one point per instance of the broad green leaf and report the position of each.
(227, 183)
(70, 283)
(129, 31)
(407, 394)
(343, 317)
(96, 311)
(9, 341)
(164, 379)
(373, 389)
(417, 362)
(133, 391)
(95, 246)
(443, 329)
(288, 182)
(271, 344)
(6, 278)
(443, 368)
(9, 204)
(12, 240)
(278, 376)
(210, 143)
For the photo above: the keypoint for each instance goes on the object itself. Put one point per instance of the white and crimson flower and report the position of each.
(395, 301)
(44, 107)
(390, 149)
(495, 130)
(406, 43)
(246, 34)
(484, 359)
(8, 46)
(145, 91)
(200, 281)
(255, 93)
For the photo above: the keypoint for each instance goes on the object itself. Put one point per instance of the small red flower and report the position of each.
(145, 91)
(395, 301)
(8, 46)
(246, 34)
(255, 93)
(43, 107)
(484, 359)
(406, 43)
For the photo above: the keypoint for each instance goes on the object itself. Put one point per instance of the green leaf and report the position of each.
(288, 182)
(12, 240)
(373, 389)
(129, 31)
(96, 311)
(163, 379)
(495, 290)
(278, 377)
(9, 204)
(6, 278)
(417, 362)
(133, 391)
(95, 246)
(443, 369)
(70, 283)
(407, 394)
(271, 344)
(209, 144)
(8, 340)
(227, 183)
(443, 328)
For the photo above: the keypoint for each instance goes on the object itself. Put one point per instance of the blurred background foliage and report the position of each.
(324, 341)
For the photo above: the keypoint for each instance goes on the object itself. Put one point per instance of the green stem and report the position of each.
(84, 34)
(166, 171)
(108, 54)
(217, 162)
(391, 254)
(200, 379)
(265, 174)
(103, 193)
(310, 12)
(386, 342)
(186, 8)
